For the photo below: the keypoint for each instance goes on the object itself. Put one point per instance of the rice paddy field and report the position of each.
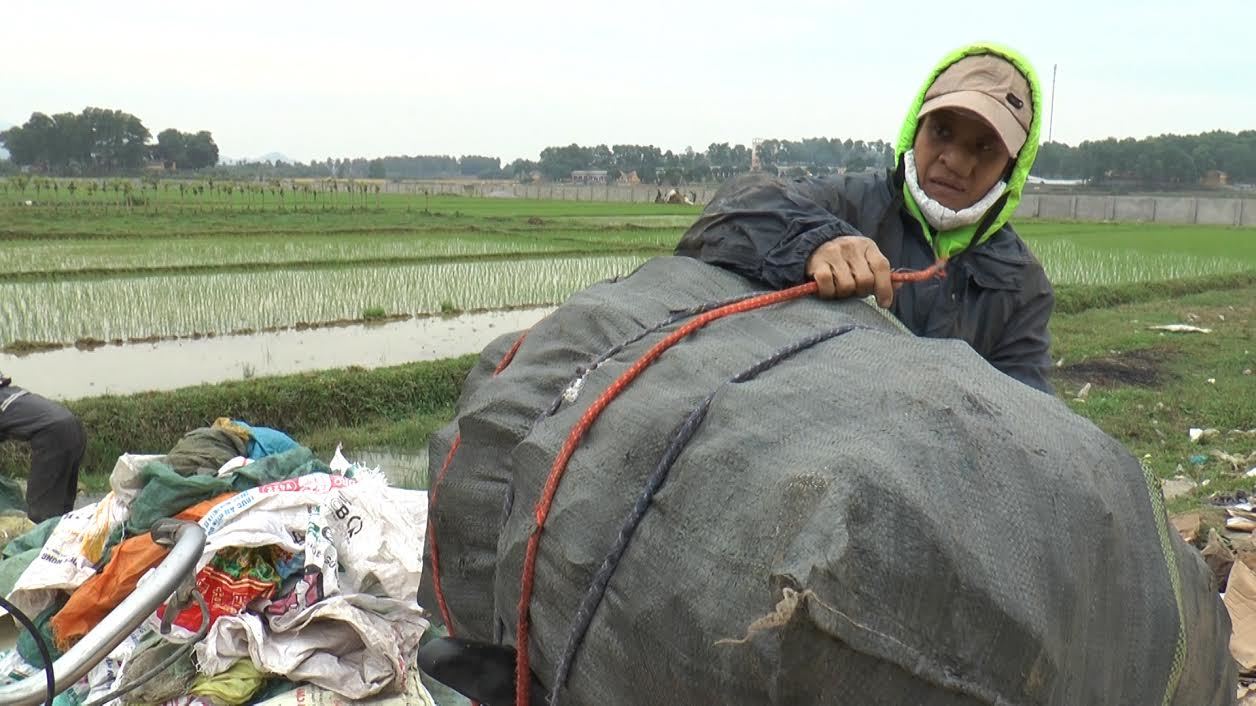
(94, 266)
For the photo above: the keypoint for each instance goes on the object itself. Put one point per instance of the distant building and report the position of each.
(1215, 179)
(589, 176)
(630, 178)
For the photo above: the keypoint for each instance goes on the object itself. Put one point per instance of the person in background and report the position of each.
(57, 441)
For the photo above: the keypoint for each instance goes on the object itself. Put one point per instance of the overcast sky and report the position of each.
(369, 78)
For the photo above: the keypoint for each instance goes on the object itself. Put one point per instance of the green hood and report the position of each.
(953, 242)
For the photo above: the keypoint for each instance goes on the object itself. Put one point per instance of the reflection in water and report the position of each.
(70, 373)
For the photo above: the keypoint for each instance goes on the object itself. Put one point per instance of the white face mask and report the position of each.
(939, 216)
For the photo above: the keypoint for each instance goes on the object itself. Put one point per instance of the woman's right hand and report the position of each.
(851, 266)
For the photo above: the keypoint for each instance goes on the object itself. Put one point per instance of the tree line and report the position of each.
(107, 142)
(1165, 160)
(100, 141)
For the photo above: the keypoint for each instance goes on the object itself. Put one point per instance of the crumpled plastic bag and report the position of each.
(379, 538)
(166, 493)
(234, 578)
(355, 645)
(232, 687)
(126, 480)
(372, 533)
(306, 695)
(267, 515)
(106, 676)
(70, 556)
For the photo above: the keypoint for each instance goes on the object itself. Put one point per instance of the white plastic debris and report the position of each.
(1180, 328)
(339, 463)
(1084, 392)
(1201, 435)
(233, 465)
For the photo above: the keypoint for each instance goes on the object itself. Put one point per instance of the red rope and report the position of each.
(523, 668)
(510, 355)
(431, 535)
(431, 499)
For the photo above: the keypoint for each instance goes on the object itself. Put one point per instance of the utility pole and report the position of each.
(1051, 120)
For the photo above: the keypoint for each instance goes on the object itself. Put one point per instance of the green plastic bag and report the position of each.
(166, 494)
(231, 688)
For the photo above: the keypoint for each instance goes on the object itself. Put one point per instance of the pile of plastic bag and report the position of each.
(310, 572)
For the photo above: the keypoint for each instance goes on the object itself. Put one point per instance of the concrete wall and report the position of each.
(561, 192)
(1139, 209)
(1218, 212)
(1133, 208)
(1056, 207)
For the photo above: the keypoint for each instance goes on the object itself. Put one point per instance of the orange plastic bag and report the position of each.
(103, 592)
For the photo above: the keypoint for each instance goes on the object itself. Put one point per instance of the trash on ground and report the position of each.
(1200, 435)
(1188, 526)
(1219, 558)
(1177, 487)
(310, 570)
(1242, 517)
(1180, 328)
(1240, 601)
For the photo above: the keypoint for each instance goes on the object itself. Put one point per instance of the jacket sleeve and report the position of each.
(1024, 350)
(765, 228)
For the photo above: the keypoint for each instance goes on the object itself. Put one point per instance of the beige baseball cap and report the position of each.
(993, 88)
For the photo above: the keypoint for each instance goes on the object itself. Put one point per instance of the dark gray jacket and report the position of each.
(995, 296)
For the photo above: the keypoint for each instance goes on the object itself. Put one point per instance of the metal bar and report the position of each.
(178, 567)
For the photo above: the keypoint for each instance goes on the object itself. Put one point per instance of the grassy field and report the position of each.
(173, 265)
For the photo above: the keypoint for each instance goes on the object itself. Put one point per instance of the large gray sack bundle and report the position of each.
(871, 518)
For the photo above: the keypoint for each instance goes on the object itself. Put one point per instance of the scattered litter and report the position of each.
(339, 463)
(1251, 473)
(1247, 371)
(309, 695)
(1211, 381)
(1200, 435)
(1198, 460)
(1242, 518)
(1177, 487)
(1187, 526)
(1218, 557)
(1180, 328)
(1084, 392)
(1059, 363)
(1240, 496)
(1240, 601)
(1205, 483)
(1240, 524)
(323, 567)
(1236, 462)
